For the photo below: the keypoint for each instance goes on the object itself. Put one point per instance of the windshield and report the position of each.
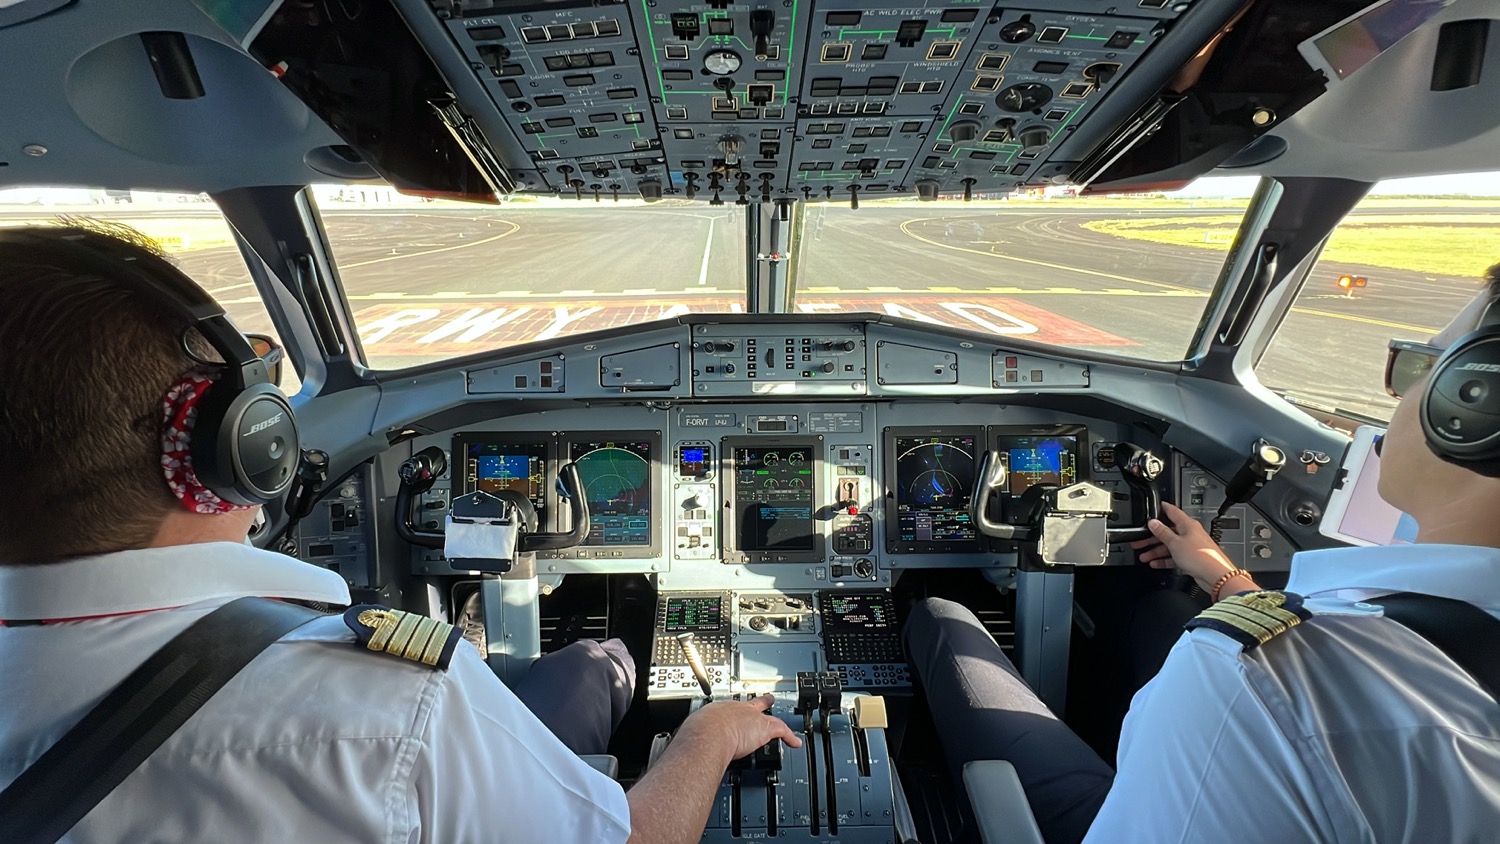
(1124, 275)
(188, 228)
(430, 280)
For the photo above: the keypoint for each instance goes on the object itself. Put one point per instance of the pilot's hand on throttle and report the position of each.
(741, 725)
(1179, 540)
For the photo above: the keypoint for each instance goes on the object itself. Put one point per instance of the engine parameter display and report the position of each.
(934, 481)
(774, 495)
(694, 614)
(616, 479)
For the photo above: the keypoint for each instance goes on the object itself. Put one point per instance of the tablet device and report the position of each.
(1353, 42)
(1356, 513)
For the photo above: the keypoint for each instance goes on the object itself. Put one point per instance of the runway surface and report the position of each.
(427, 283)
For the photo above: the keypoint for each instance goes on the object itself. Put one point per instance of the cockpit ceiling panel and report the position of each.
(766, 100)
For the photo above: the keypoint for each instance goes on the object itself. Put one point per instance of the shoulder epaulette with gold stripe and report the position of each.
(1253, 618)
(407, 635)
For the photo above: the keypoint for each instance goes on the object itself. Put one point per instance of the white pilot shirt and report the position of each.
(1351, 728)
(317, 740)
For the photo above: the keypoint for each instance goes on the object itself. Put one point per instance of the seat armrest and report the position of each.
(604, 764)
(999, 803)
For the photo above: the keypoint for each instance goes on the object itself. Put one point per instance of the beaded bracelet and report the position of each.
(1225, 578)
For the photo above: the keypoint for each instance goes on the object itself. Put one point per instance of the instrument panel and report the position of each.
(789, 454)
(705, 492)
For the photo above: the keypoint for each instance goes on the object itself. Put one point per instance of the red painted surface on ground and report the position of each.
(464, 327)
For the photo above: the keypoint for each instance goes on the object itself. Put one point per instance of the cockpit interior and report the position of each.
(730, 329)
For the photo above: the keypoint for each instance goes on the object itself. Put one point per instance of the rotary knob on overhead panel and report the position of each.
(964, 130)
(1033, 137)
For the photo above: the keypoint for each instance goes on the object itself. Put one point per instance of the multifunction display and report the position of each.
(774, 491)
(860, 628)
(858, 611)
(934, 479)
(695, 460)
(694, 614)
(491, 465)
(616, 479)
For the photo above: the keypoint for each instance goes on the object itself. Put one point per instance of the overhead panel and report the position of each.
(568, 81)
(724, 79)
(875, 79)
(797, 99)
(1031, 79)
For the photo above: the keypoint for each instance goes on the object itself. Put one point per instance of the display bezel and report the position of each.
(730, 535)
(999, 440)
(719, 626)
(835, 623)
(893, 541)
(564, 522)
(461, 483)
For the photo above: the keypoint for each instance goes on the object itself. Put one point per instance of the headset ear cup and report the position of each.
(1460, 405)
(245, 444)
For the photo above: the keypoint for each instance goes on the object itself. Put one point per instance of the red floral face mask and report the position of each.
(179, 415)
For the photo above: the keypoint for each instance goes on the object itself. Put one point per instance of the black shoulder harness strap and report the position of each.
(1467, 634)
(113, 739)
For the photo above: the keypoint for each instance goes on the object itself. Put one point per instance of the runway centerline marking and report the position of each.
(909, 233)
(708, 246)
(513, 229)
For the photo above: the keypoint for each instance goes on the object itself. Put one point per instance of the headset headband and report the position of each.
(101, 255)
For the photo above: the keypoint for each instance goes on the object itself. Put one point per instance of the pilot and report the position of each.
(1326, 723)
(110, 547)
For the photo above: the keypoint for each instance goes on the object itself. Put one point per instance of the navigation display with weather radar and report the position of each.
(934, 480)
(616, 478)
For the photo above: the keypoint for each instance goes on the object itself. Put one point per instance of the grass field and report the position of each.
(1459, 244)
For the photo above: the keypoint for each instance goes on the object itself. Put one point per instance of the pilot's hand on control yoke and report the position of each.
(1179, 540)
(740, 725)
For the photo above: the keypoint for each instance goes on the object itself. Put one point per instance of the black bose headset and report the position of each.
(1460, 408)
(244, 443)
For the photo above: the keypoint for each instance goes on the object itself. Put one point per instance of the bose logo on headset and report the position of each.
(261, 426)
(1480, 367)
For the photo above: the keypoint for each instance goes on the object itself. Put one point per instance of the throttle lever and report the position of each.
(1139, 468)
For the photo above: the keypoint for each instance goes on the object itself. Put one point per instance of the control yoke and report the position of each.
(1068, 524)
(500, 523)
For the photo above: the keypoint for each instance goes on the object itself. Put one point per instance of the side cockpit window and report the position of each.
(188, 227)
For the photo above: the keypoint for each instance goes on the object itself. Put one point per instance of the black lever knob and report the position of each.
(964, 130)
(1264, 462)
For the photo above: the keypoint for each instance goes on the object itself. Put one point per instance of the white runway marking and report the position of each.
(707, 247)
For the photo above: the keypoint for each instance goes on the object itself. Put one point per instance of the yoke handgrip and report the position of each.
(1139, 469)
(571, 488)
(991, 476)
